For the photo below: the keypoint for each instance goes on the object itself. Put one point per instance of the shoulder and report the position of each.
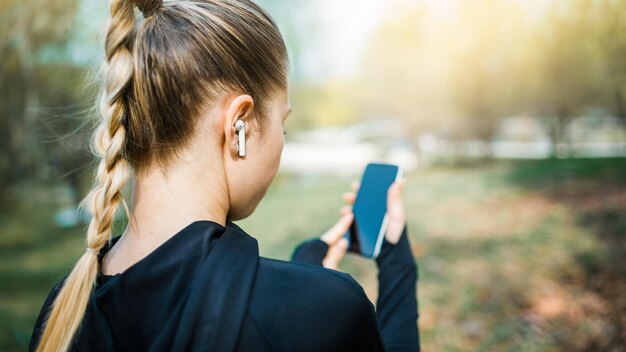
(43, 314)
(293, 304)
(308, 283)
(47, 304)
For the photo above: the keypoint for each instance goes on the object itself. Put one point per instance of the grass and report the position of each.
(513, 256)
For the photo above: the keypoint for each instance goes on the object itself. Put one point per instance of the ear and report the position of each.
(240, 107)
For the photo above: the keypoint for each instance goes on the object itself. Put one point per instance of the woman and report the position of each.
(193, 102)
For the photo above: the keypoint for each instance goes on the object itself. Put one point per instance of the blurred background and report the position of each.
(508, 115)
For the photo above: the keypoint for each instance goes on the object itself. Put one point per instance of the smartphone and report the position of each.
(367, 231)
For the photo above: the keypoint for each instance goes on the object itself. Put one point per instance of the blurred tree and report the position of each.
(397, 79)
(459, 73)
(608, 18)
(28, 29)
(455, 76)
(566, 77)
(486, 63)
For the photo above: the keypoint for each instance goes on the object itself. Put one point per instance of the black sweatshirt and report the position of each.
(207, 289)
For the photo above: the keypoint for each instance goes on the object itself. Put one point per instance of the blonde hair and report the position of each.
(159, 73)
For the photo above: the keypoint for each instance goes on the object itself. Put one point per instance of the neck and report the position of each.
(165, 202)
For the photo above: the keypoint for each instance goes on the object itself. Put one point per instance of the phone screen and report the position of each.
(370, 207)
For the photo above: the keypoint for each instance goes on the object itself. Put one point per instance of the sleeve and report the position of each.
(43, 316)
(312, 251)
(396, 306)
(364, 327)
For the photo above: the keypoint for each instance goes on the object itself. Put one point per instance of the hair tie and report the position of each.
(148, 7)
(91, 250)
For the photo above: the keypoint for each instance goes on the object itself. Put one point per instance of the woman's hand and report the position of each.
(395, 209)
(337, 245)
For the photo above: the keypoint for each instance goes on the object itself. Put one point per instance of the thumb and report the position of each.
(395, 205)
(336, 232)
(335, 254)
(395, 212)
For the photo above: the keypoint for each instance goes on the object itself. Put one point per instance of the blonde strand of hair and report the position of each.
(112, 174)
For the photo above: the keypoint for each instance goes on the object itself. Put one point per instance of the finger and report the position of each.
(394, 196)
(394, 231)
(345, 210)
(395, 212)
(398, 184)
(349, 197)
(335, 254)
(355, 186)
(335, 233)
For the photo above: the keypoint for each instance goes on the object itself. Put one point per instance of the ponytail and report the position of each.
(113, 172)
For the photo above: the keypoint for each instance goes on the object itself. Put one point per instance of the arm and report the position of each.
(396, 306)
(312, 251)
(397, 276)
(328, 249)
(397, 300)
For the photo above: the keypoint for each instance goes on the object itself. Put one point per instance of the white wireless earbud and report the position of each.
(240, 126)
